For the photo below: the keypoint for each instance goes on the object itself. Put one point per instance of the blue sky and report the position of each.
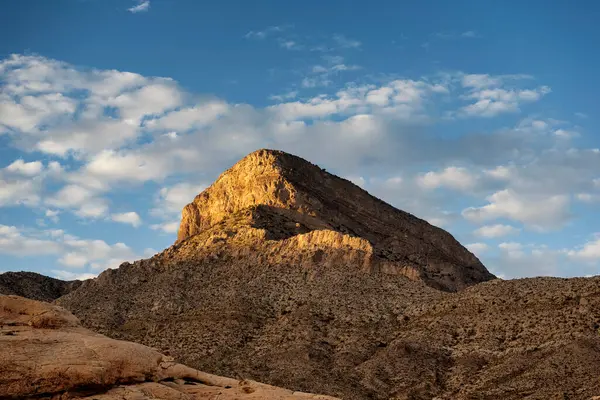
(477, 116)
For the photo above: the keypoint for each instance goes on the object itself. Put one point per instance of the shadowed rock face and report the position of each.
(45, 353)
(35, 286)
(310, 196)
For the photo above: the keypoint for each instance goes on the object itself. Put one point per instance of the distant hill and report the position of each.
(35, 286)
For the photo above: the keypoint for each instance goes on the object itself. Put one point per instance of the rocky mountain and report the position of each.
(285, 274)
(35, 286)
(46, 353)
(307, 195)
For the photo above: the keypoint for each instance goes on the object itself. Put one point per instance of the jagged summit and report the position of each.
(308, 195)
(262, 177)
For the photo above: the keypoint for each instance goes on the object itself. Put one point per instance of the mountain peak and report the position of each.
(317, 200)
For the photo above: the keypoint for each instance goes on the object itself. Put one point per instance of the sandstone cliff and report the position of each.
(310, 196)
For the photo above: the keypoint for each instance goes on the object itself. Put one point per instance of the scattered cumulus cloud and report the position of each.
(534, 211)
(29, 169)
(456, 178)
(491, 96)
(496, 231)
(166, 227)
(85, 256)
(142, 6)
(477, 248)
(132, 218)
(346, 43)
(262, 34)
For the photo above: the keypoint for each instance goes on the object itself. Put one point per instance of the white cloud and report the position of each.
(112, 166)
(169, 203)
(494, 95)
(58, 109)
(190, 118)
(537, 212)
(469, 34)
(83, 201)
(266, 32)
(72, 276)
(477, 248)
(399, 99)
(95, 254)
(285, 96)
(14, 192)
(456, 178)
(492, 102)
(496, 231)
(500, 172)
(131, 218)
(22, 183)
(16, 243)
(167, 227)
(29, 169)
(152, 99)
(517, 260)
(346, 43)
(76, 260)
(290, 44)
(172, 199)
(142, 6)
(588, 197)
(589, 252)
(52, 215)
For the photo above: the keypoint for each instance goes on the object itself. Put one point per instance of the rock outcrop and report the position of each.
(318, 200)
(35, 286)
(45, 353)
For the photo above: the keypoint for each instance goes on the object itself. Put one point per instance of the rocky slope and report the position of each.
(35, 286)
(45, 353)
(535, 338)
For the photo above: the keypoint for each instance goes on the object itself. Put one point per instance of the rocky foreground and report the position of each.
(45, 353)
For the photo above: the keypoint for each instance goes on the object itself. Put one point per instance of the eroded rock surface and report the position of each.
(45, 353)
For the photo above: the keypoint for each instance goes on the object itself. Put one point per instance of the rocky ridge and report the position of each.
(35, 286)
